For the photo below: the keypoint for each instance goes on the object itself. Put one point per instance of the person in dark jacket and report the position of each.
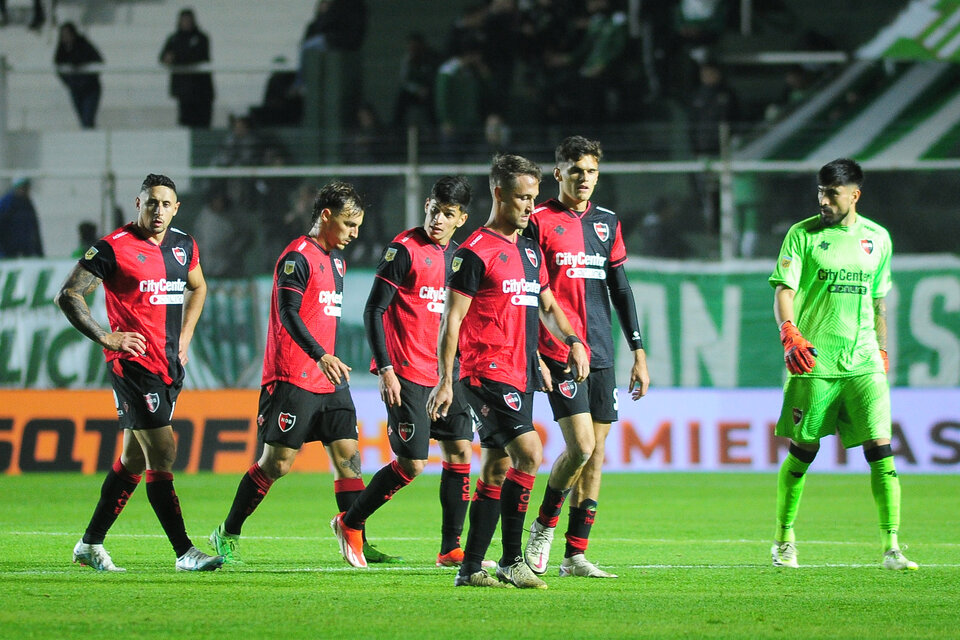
(18, 219)
(193, 90)
(74, 51)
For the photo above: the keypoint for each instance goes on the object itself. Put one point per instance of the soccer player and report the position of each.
(499, 282)
(155, 290)
(584, 252)
(402, 319)
(830, 282)
(305, 394)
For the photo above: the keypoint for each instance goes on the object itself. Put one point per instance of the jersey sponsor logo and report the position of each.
(92, 251)
(288, 267)
(532, 257)
(602, 229)
(512, 400)
(164, 291)
(332, 302)
(867, 246)
(567, 388)
(435, 297)
(286, 421)
(455, 265)
(390, 254)
(797, 415)
(152, 401)
(180, 255)
(582, 265)
(119, 235)
(338, 263)
(525, 293)
(405, 430)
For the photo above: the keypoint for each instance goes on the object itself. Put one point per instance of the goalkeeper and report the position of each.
(831, 278)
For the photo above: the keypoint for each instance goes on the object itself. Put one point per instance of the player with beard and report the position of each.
(831, 279)
(155, 291)
(497, 295)
(583, 248)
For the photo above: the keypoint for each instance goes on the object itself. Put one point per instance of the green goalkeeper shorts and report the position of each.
(858, 408)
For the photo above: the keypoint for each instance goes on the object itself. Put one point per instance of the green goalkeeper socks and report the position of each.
(790, 481)
(886, 493)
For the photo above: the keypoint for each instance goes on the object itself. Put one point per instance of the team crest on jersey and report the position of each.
(512, 400)
(567, 388)
(797, 415)
(532, 257)
(288, 267)
(286, 421)
(390, 254)
(92, 251)
(455, 265)
(867, 246)
(406, 430)
(180, 255)
(602, 229)
(785, 262)
(338, 263)
(153, 401)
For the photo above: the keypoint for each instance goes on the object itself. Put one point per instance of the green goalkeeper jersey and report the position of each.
(836, 273)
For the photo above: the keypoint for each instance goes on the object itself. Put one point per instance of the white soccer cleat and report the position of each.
(196, 560)
(520, 575)
(478, 579)
(896, 561)
(579, 566)
(784, 554)
(537, 551)
(94, 556)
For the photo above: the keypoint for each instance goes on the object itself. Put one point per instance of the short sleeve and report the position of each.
(467, 272)
(195, 259)
(100, 260)
(883, 281)
(395, 264)
(293, 272)
(790, 261)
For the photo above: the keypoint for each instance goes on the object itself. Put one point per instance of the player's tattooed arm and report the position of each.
(72, 301)
(880, 321)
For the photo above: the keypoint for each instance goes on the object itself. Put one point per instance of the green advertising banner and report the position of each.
(704, 324)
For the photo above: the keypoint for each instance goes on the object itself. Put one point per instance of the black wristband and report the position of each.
(572, 339)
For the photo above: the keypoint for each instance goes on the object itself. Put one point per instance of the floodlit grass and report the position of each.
(692, 552)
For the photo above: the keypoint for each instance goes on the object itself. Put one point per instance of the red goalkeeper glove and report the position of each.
(886, 361)
(798, 353)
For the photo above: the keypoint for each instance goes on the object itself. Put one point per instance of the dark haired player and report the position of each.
(155, 290)
(498, 285)
(831, 279)
(305, 394)
(402, 319)
(584, 252)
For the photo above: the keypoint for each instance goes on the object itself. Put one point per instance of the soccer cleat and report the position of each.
(520, 575)
(196, 560)
(578, 565)
(896, 561)
(537, 551)
(94, 556)
(351, 542)
(784, 554)
(226, 545)
(479, 579)
(453, 558)
(372, 554)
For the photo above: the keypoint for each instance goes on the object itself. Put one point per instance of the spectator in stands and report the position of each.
(338, 25)
(414, 103)
(282, 103)
(501, 38)
(468, 26)
(193, 90)
(18, 220)
(461, 89)
(798, 86)
(74, 51)
(86, 236)
(36, 22)
(242, 147)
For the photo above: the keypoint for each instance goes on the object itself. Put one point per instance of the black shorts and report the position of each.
(597, 395)
(143, 399)
(410, 428)
(498, 411)
(289, 416)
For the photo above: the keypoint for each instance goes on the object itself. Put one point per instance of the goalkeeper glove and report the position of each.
(798, 353)
(886, 361)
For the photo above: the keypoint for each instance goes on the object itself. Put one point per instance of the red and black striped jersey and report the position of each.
(579, 250)
(144, 284)
(418, 267)
(498, 336)
(306, 268)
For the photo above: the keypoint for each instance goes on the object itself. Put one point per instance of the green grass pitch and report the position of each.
(692, 552)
